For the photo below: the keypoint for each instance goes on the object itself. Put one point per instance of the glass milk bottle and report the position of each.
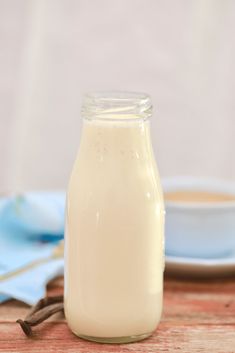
(115, 222)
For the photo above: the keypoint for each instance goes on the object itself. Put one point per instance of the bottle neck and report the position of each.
(116, 126)
(102, 140)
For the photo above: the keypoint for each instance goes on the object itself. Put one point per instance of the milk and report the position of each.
(114, 234)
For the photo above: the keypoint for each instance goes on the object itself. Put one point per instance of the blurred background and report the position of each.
(52, 51)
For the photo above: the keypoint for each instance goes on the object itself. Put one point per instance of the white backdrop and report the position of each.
(181, 52)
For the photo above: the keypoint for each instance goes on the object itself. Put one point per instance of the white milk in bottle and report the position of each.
(114, 226)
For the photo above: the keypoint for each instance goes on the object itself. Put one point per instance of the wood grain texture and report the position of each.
(198, 317)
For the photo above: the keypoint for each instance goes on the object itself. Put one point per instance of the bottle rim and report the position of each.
(116, 106)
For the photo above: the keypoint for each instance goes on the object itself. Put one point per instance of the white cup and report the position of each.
(199, 229)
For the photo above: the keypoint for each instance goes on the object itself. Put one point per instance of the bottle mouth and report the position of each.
(116, 105)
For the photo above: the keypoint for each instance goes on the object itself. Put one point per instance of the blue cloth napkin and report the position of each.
(31, 225)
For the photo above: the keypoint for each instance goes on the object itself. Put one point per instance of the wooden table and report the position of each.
(198, 317)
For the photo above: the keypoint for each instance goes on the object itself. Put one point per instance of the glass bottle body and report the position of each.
(114, 234)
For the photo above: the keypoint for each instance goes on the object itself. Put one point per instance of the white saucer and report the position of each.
(199, 267)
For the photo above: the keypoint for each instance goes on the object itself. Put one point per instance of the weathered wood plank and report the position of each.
(212, 309)
(198, 317)
(223, 285)
(170, 337)
(197, 302)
